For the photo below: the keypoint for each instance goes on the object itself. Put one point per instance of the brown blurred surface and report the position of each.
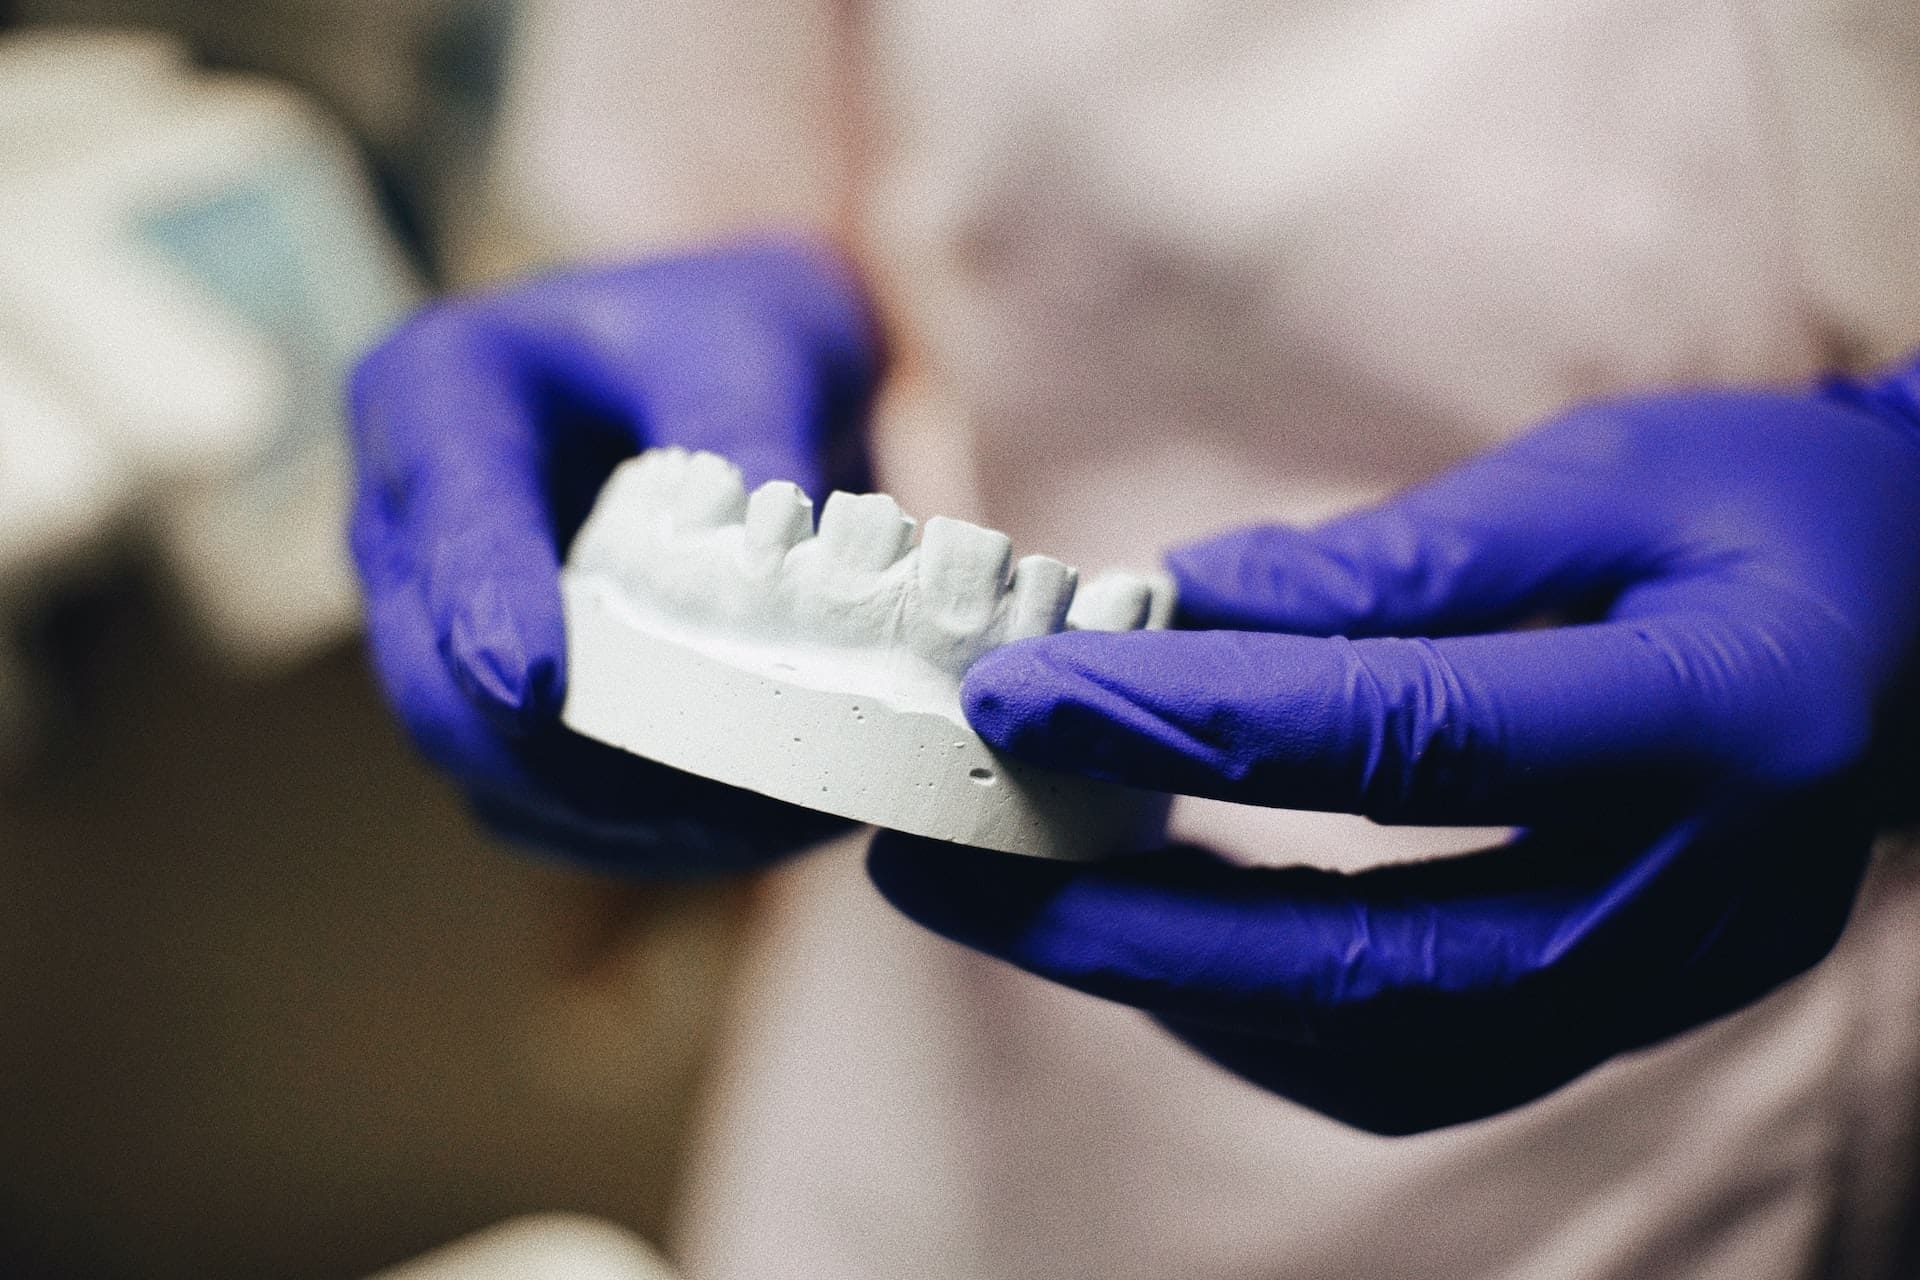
(270, 1006)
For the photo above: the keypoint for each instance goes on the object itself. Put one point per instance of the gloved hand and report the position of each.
(1689, 757)
(484, 428)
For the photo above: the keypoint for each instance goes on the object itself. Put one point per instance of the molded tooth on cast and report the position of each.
(779, 517)
(711, 493)
(962, 572)
(1163, 597)
(657, 476)
(1111, 602)
(618, 526)
(1042, 592)
(628, 494)
(864, 530)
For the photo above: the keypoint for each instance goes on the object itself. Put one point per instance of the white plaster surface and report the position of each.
(721, 634)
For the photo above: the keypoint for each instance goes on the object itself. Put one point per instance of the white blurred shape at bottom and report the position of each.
(541, 1247)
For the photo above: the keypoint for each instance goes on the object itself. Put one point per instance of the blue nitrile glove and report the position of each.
(1739, 580)
(484, 428)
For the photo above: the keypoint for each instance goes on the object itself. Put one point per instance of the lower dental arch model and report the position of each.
(719, 634)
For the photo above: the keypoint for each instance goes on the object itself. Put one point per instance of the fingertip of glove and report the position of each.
(513, 684)
(1014, 695)
(1070, 701)
(1006, 694)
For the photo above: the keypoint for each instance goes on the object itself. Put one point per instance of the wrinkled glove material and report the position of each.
(1688, 754)
(483, 429)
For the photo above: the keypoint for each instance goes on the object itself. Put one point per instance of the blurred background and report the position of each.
(269, 1003)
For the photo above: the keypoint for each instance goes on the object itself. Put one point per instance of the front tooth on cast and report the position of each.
(1042, 591)
(1115, 601)
(962, 570)
(865, 531)
(1163, 596)
(779, 517)
(711, 493)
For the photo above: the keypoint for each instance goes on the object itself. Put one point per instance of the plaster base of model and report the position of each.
(837, 752)
(723, 637)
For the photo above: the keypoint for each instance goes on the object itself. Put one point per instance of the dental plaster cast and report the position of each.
(721, 635)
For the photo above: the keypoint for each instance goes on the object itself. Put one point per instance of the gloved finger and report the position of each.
(1537, 959)
(1701, 922)
(1182, 932)
(1419, 1065)
(1499, 729)
(1526, 529)
(451, 510)
(450, 729)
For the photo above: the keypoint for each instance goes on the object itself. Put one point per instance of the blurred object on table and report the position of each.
(413, 80)
(549, 1247)
(188, 266)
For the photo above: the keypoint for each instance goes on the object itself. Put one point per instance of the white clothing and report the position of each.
(1166, 265)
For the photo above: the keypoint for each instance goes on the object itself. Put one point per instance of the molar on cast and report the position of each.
(618, 529)
(711, 493)
(657, 476)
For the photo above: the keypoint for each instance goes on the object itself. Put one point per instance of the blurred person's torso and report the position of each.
(1161, 267)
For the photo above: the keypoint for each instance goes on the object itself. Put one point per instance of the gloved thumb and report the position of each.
(1510, 535)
